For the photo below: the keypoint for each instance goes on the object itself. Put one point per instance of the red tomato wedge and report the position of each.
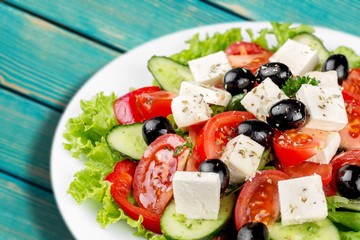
(306, 169)
(121, 179)
(217, 132)
(350, 135)
(126, 109)
(248, 55)
(294, 146)
(352, 84)
(153, 176)
(349, 157)
(259, 199)
(154, 104)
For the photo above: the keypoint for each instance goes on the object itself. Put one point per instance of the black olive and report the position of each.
(155, 127)
(239, 80)
(287, 114)
(257, 130)
(348, 181)
(277, 72)
(339, 63)
(253, 231)
(217, 166)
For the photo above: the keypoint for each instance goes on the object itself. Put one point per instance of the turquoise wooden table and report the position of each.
(48, 49)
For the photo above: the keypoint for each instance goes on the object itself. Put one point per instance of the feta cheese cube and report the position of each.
(189, 109)
(242, 155)
(197, 194)
(326, 79)
(326, 107)
(299, 57)
(261, 98)
(211, 95)
(327, 151)
(302, 200)
(210, 69)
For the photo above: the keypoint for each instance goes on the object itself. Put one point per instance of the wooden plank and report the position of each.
(125, 24)
(339, 15)
(43, 61)
(26, 132)
(28, 212)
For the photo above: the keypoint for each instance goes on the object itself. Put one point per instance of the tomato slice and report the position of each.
(259, 199)
(154, 104)
(307, 169)
(217, 132)
(349, 157)
(350, 134)
(126, 109)
(352, 83)
(153, 175)
(121, 179)
(295, 146)
(248, 55)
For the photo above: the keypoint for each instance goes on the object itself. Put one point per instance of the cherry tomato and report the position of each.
(350, 135)
(295, 146)
(307, 169)
(216, 133)
(121, 179)
(126, 109)
(352, 84)
(349, 157)
(153, 175)
(155, 104)
(259, 199)
(247, 55)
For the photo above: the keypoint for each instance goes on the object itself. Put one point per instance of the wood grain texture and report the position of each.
(26, 132)
(342, 15)
(43, 61)
(28, 212)
(125, 24)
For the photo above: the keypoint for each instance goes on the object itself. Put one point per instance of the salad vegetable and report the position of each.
(256, 125)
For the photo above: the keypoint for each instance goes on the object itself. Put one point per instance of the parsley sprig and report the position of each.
(292, 85)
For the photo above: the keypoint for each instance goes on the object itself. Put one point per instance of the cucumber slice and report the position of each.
(168, 73)
(128, 140)
(315, 43)
(174, 226)
(307, 231)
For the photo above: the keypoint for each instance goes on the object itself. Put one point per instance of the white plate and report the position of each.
(126, 71)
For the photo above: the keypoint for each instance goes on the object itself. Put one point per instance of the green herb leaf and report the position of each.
(292, 85)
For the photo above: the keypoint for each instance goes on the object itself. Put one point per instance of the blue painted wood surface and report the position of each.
(49, 49)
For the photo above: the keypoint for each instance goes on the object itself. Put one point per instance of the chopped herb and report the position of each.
(292, 85)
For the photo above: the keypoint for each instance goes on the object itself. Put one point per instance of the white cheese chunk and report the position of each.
(299, 57)
(242, 155)
(211, 95)
(261, 98)
(326, 107)
(210, 69)
(302, 200)
(326, 151)
(326, 79)
(189, 109)
(197, 195)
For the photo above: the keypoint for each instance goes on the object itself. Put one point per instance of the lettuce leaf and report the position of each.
(95, 121)
(335, 202)
(281, 31)
(352, 57)
(198, 48)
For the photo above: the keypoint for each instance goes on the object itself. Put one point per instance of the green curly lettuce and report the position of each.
(281, 31)
(213, 44)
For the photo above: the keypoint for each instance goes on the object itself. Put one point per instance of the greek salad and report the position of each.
(234, 140)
